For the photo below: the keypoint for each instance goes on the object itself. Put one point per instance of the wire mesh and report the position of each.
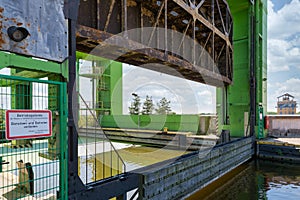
(98, 158)
(30, 167)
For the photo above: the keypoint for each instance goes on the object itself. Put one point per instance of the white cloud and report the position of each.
(283, 37)
(279, 88)
(186, 96)
(284, 22)
(283, 51)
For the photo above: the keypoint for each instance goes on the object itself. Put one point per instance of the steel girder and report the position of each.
(190, 39)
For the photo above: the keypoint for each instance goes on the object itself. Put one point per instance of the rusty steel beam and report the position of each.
(103, 44)
(156, 21)
(186, 36)
(208, 24)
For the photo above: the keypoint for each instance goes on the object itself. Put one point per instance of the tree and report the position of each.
(148, 106)
(134, 109)
(163, 107)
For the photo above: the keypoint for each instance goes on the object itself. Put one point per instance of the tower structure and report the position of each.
(286, 104)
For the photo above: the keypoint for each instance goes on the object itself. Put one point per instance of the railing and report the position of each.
(32, 168)
(98, 157)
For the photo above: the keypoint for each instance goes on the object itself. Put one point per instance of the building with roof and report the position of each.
(286, 104)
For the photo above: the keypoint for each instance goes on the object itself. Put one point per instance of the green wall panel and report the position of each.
(187, 123)
(239, 92)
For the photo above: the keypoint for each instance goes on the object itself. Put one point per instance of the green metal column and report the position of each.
(233, 105)
(109, 85)
(109, 88)
(261, 13)
(63, 167)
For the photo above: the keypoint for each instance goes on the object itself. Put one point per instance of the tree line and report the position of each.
(148, 107)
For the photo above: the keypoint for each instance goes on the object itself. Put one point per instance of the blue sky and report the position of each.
(278, 4)
(190, 97)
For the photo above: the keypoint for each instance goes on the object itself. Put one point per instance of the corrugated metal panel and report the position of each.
(286, 123)
(45, 21)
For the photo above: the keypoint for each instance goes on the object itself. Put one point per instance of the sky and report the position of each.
(192, 98)
(283, 50)
(185, 96)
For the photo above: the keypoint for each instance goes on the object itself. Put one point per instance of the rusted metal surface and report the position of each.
(123, 50)
(192, 39)
(45, 22)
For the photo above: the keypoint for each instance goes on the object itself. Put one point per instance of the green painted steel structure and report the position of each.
(26, 73)
(233, 102)
(27, 93)
(185, 123)
(112, 91)
(109, 84)
(38, 68)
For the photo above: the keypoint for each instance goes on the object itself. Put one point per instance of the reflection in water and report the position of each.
(99, 166)
(255, 180)
(140, 156)
(96, 167)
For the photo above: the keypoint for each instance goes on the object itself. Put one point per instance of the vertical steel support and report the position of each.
(124, 18)
(71, 13)
(252, 72)
(213, 35)
(166, 27)
(63, 140)
(248, 89)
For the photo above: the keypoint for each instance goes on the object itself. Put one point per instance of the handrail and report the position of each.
(95, 118)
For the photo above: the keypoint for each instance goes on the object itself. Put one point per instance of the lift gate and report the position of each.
(33, 168)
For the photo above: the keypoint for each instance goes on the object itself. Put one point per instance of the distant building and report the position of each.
(286, 104)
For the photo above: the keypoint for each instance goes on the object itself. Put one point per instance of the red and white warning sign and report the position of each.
(26, 124)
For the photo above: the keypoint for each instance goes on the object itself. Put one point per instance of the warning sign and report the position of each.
(26, 124)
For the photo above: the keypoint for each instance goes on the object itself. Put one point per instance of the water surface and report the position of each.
(255, 180)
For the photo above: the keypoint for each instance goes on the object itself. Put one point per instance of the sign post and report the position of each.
(28, 124)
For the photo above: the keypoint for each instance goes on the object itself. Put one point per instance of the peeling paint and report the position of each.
(45, 22)
(1, 26)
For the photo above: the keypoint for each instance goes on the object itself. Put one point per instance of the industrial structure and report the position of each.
(286, 104)
(43, 46)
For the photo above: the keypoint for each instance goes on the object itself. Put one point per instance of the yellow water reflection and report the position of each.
(107, 164)
(140, 156)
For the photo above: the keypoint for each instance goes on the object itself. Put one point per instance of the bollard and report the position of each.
(26, 177)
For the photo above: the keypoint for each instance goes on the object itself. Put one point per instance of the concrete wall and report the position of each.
(177, 178)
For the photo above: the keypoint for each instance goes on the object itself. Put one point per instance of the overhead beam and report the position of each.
(103, 44)
(188, 37)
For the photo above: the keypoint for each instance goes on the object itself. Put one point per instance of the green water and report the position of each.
(255, 180)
